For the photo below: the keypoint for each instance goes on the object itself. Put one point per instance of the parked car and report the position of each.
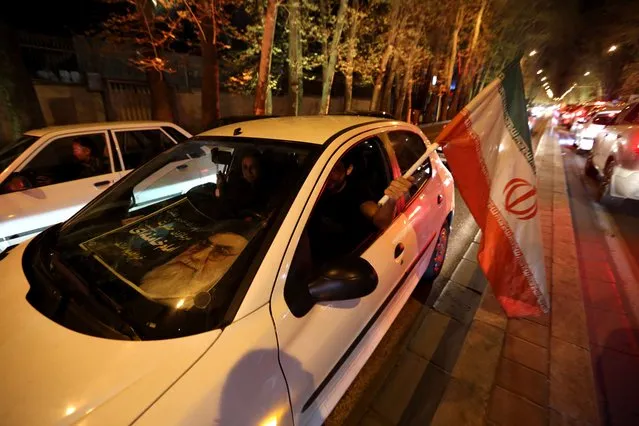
(614, 157)
(586, 132)
(44, 182)
(565, 115)
(227, 304)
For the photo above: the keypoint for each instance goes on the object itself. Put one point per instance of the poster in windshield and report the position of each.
(137, 248)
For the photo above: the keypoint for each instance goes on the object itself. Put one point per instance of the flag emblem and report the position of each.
(520, 199)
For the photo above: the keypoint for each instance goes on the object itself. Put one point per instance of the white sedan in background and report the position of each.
(232, 303)
(585, 133)
(41, 183)
(614, 157)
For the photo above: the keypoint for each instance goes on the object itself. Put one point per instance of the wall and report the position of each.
(69, 104)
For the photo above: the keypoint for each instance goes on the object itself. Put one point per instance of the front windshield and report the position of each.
(9, 153)
(170, 243)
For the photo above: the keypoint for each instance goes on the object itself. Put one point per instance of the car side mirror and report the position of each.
(221, 157)
(346, 279)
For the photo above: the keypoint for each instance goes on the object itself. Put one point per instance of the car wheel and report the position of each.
(589, 168)
(439, 254)
(603, 193)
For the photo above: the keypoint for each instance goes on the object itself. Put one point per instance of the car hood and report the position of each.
(52, 375)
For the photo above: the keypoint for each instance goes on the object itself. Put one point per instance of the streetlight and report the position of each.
(612, 48)
(543, 78)
(539, 72)
(532, 53)
(587, 73)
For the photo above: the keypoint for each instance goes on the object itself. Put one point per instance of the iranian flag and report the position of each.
(489, 151)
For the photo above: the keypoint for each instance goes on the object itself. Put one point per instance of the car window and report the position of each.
(175, 134)
(12, 151)
(604, 119)
(336, 227)
(408, 148)
(69, 158)
(628, 114)
(139, 146)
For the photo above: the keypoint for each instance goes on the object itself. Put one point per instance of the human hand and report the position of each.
(399, 188)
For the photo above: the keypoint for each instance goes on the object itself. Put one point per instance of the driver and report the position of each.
(346, 214)
(85, 152)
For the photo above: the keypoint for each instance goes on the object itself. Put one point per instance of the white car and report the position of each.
(41, 184)
(234, 303)
(614, 157)
(586, 132)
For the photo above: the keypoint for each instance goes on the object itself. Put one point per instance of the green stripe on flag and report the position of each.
(513, 98)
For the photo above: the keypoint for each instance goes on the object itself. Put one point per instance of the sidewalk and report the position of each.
(464, 363)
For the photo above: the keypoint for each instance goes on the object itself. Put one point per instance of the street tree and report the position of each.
(149, 28)
(264, 70)
(332, 53)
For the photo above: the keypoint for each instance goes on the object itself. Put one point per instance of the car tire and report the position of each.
(439, 255)
(589, 168)
(603, 192)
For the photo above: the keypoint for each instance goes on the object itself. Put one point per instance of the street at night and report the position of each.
(307, 213)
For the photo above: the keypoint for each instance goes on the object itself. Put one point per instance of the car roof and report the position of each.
(315, 129)
(608, 111)
(96, 126)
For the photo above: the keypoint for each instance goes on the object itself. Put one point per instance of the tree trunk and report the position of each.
(350, 56)
(452, 60)
(386, 100)
(327, 84)
(323, 25)
(210, 72)
(388, 51)
(161, 108)
(430, 109)
(294, 59)
(264, 72)
(409, 101)
(161, 105)
(18, 98)
(401, 99)
(464, 77)
(269, 101)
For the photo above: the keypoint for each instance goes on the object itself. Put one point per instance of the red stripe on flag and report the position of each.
(499, 256)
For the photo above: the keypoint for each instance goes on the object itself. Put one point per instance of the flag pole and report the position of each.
(431, 148)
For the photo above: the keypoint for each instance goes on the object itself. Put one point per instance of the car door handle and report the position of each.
(399, 249)
(182, 166)
(440, 198)
(101, 183)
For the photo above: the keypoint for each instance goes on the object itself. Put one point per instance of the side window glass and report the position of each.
(69, 158)
(337, 226)
(175, 134)
(631, 114)
(139, 146)
(408, 148)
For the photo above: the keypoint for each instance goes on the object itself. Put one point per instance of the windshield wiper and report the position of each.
(115, 310)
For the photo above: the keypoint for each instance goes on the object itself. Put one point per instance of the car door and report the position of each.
(57, 190)
(425, 209)
(327, 338)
